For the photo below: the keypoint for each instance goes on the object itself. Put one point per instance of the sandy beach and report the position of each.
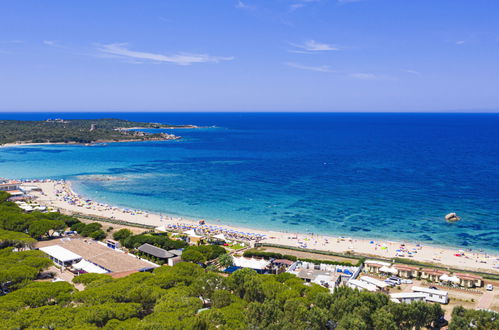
(59, 195)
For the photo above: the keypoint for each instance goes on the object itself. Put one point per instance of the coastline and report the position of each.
(22, 144)
(57, 194)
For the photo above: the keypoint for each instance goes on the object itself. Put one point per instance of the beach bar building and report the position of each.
(9, 185)
(61, 256)
(433, 295)
(469, 281)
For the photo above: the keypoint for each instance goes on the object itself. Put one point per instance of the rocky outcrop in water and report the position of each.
(452, 217)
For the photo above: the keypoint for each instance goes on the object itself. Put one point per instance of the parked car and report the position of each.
(433, 288)
(390, 282)
(395, 279)
(406, 281)
(489, 287)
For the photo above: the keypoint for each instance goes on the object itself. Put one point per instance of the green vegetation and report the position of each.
(122, 234)
(161, 241)
(169, 298)
(202, 253)
(185, 296)
(76, 131)
(38, 225)
(92, 230)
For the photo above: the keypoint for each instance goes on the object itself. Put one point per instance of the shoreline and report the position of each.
(22, 144)
(59, 195)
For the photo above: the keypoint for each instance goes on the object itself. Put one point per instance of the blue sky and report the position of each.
(249, 55)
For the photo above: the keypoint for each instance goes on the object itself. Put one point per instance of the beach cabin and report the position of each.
(61, 256)
(379, 284)
(193, 237)
(111, 243)
(374, 266)
(407, 297)
(469, 281)
(361, 285)
(433, 295)
(406, 271)
(432, 275)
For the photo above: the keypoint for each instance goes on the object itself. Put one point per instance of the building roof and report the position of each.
(175, 252)
(428, 290)
(377, 263)
(468, 276)
(362, 285)
(374, 281)
(89, 267)
(155, 251)
(60, 253)
(405, 267)
(431, 271)
(405, 295)
(251, 263)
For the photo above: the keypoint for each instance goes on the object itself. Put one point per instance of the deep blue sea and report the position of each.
(392, 176)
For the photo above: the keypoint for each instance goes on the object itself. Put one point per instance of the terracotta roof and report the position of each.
(405, 267)
(468, 276)
(374, 264)
(122, 274)
(437, 272)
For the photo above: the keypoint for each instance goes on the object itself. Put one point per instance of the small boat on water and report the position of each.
(452, 217)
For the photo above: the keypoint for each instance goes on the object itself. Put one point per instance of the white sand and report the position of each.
(53, 194)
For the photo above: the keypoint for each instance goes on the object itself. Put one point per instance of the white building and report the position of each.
(432, 295)
(361, 285)
(60, 255)
(380, 284)
(407, 297)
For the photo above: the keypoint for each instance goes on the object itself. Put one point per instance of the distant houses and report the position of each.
(429, 274)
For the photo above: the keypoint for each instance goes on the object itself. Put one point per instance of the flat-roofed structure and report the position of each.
(361, 285)
(407, 297)
(433, 295)
(99, 254)
(61, 256)
(378, 283)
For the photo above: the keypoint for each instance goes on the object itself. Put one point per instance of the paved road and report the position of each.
(486, 300)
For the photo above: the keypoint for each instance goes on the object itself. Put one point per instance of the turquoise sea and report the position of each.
(391, 176)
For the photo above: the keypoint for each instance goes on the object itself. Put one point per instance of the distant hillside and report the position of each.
(79, 131)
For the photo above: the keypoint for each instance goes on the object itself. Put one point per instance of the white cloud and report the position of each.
(120, 50)
(460, 42)
(364, 76)
(52, 43)
(322, 68)
(310, 46)
(242, 5)
(414, 72)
